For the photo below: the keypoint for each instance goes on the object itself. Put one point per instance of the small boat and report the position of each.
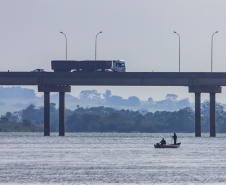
(158, 145)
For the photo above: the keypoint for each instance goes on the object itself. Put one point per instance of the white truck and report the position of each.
(88, 65)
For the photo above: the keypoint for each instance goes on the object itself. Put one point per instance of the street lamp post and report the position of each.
(212, 51)
(96, 45)
(179, 48)
(66, 42)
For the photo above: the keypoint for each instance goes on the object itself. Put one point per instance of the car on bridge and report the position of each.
(38, 70)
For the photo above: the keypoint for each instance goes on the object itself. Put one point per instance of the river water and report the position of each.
(110, 158)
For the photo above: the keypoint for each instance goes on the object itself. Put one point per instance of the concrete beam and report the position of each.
(205, 89)
(54, 88)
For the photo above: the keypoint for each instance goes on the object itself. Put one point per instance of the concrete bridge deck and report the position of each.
(114, 79)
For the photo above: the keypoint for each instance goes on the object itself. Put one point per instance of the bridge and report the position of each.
(197, 83)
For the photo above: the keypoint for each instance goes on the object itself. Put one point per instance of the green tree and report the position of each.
(27, 123)
(133, 101)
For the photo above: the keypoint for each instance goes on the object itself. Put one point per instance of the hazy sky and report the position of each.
(137, 31)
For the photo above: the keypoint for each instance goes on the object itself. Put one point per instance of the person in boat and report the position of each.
(175, 138)
(163, 142)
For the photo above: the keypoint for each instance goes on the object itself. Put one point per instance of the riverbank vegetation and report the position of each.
(104, 119)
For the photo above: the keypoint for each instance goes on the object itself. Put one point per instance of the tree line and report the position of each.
(105, 119)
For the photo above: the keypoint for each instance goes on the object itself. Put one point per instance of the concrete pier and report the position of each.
(61, 113)
(197, 114)
(212, 90)
(47, 90)
(212, 115)
(46, 113)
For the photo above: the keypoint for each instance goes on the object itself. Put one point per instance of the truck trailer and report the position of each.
(88, 65)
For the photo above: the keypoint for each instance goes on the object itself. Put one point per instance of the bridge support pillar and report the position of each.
(47, 89)
(212, 115)
(46, 113)
(61, 113)
(197, 114)
(205, 89)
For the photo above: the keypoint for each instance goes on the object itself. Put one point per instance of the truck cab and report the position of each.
(118, 66)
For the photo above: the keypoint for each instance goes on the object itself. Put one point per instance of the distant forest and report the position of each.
(17, 98)
(105, 119)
